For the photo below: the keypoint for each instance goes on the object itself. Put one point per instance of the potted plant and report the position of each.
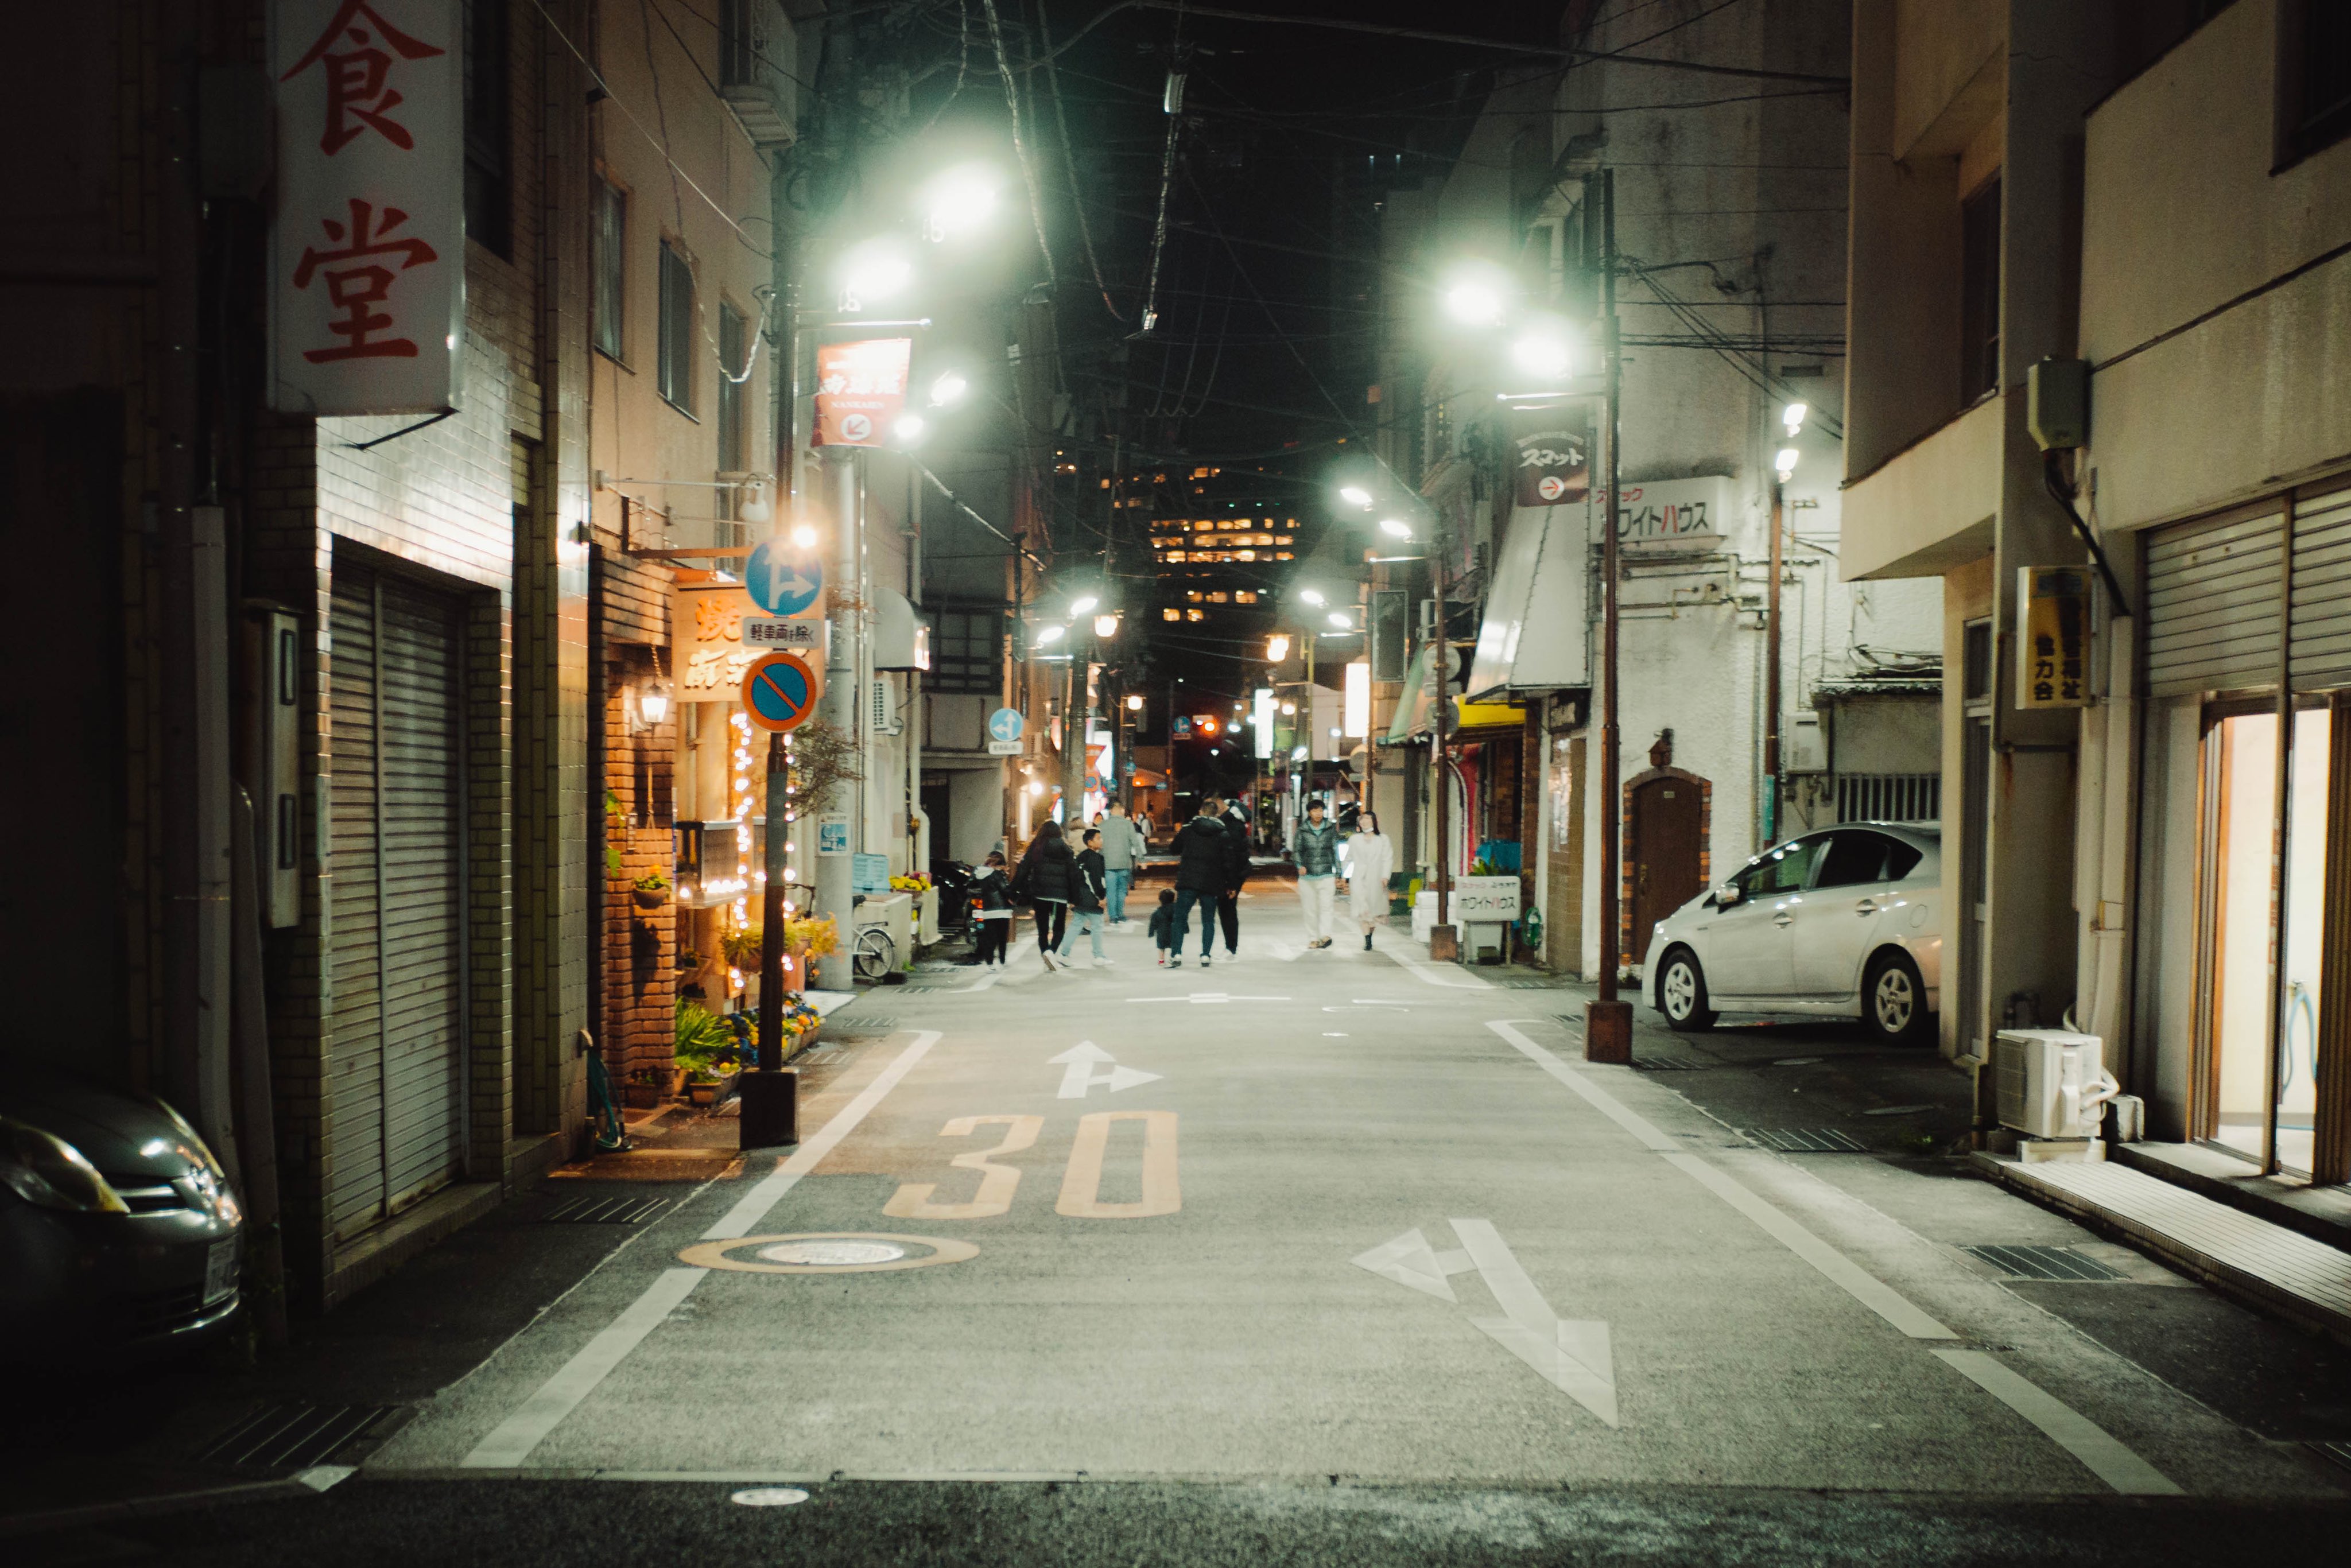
(695, 1042)
(651, 891)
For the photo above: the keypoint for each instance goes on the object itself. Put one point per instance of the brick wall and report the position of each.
(637, 946)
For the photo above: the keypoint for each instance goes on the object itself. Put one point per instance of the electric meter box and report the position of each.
(2057, 403)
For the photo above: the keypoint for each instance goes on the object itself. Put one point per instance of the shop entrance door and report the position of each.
(1661, 850)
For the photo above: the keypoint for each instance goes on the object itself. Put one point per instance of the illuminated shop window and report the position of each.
(1195, 615)
(1171, 614)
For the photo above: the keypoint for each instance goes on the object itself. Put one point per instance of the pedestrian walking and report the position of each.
(1239, 836)
(1317, 851)
(1370, 859)
(1086, 898)
(1048, 878)
(991, 908)
(1204, 864)
(1164, 934)
(1121, 848)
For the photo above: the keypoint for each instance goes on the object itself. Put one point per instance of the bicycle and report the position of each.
(873, 955)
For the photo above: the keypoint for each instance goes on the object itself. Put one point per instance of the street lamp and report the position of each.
(1312, 595)
(1477, 294)
(1105, 625)
(1341, 622)
(1135, 702)
(804, 536)
(1277, 647)
(873, 270)
(1394, 528)
(958, 202)
(1050, 634)
(1793, 417)
(1355, 495)
(909, 428)
(948, 389)
(1545, 349)
(1785, 464)
(1083, 603)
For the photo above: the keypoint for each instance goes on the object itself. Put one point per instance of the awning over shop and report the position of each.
(1536, 633)
(1415, 709)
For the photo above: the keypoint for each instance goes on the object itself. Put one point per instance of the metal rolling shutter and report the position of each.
(2213, 605)
(2321, 633)
(395, 1101)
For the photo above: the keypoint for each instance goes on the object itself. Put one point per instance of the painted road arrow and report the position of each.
(1573, 1357)
(1079, 1075)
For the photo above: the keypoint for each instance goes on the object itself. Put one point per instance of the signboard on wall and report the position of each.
(709, 657)
(368, 252)
(860, 389)
(2053, 654)
(1665, 517)
(1554, 455)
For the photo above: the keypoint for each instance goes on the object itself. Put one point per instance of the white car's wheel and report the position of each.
(1681, 993)
(1893, 999)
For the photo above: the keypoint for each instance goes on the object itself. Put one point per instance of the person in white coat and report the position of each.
(1370, 859)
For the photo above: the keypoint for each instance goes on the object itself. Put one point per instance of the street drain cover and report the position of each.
(1806, 1140)
(2043, 1263)
(1668, 1063)
(292, 1435)
(832, 1254)
(604, 1211)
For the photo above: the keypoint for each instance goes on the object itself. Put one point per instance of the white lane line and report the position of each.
(1867, 1288)
(560, 1394)
(2098, 1449)
(1432, 974)
(746, 1215)
(512, 1442)
(2093, 1445)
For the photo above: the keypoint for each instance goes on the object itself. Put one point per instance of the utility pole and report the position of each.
(1607, 1020)
(1772, 678)
(835, 894)
(1444, 942)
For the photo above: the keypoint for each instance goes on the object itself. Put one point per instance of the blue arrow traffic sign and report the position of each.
(781, 581)
(1006, 724)
(778, 692)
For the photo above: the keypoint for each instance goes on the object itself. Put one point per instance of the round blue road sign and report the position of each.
(783, 581)
(1006, 724)
(780, 691)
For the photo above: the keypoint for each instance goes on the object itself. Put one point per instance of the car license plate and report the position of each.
(220, 1272)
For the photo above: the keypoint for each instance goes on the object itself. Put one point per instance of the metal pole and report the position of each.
(834, 897)
(1771, 682)
(1441, 936)
(1608, 1021)
(771, 911)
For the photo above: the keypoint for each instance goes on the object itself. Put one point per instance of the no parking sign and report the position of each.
(779, 692)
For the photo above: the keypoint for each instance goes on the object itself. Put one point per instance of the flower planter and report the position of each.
(704, 1093)
(650, 897)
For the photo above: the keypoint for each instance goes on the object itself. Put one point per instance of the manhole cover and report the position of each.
(832, 1254)
(2044, 1263)
(1806, 1140)
(827, 1252)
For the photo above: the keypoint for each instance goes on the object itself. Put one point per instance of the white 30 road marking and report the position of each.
(1079, 1076)
(512, 1442)
(2102, 1453)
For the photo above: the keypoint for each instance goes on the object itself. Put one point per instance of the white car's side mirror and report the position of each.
(1727, 894)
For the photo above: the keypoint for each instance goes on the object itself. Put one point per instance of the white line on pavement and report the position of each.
(511, 1443)
(2096, 1447)
(1434, 974)
(2105, 1454)
(521, 1432)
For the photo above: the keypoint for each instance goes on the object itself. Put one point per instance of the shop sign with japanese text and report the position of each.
(1553, 455)
(860, 389)
(367, 285)
(2053, 655)
(1665, 517)
(707, 653)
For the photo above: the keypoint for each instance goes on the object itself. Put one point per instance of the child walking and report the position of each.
(991, 912)
(1162, 927)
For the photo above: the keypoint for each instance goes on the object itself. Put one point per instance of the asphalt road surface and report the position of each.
(1311, 1257)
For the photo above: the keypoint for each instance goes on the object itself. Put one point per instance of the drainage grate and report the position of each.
(604, 1210)
(293, 1436)
(1668, 1063)
(847, 1023)
(1524, 983)
(2043, 1263)
(2335, 1453)
(1806, 1140)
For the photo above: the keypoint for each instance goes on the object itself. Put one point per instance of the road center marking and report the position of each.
(511, 1442)
(1080, 1061)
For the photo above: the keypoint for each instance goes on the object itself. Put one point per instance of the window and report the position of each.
(1852, 858)
(1980, 292)
(1975, 661)
(736, 47)
(675, 370)
(489, 196)
(730, 390)
(2322, 110)
(1171, 614)
(1784, 869)
(611, 219)
(964, 653)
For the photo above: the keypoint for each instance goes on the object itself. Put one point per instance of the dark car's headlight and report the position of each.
(43, 1169)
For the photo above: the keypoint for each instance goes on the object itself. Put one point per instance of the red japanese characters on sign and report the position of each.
(369, 242)
(860, 389)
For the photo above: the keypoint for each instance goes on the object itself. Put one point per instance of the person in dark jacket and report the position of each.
(1163, 929)
(1317, 850)
(1086, 901)
(1204, 864)
(1238, 834)
(1048, 878)
(991, 909)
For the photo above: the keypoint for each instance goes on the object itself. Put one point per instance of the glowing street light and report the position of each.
(948, 389)
(1786, 463)
(1083, 603)
(1476, 295)
(1341, 622)
(1050, 634)
(1546, 348)
(804, 536)
(1135, 702)
(1395, 529)
(1277, 647)
(909, 428)
(958, 202)
(1355, 495)
(1105, 625)
(873, 270)
(1793, 417)
(1311, 595)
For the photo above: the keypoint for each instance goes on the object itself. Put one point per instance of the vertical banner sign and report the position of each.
(1261, 720)
(2053, 655)
(368, 251)
(1554, 456)
(860, 388)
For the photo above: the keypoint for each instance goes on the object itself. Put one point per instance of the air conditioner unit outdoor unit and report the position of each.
(2050, 1082)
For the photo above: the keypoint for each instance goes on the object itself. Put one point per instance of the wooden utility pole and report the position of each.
(1608, 1021)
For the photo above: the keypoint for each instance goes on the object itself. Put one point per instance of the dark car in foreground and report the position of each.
(118, 1226)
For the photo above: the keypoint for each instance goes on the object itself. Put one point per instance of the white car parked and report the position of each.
(1844, 922)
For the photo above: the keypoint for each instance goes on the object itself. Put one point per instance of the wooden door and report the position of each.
(1661, 853)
